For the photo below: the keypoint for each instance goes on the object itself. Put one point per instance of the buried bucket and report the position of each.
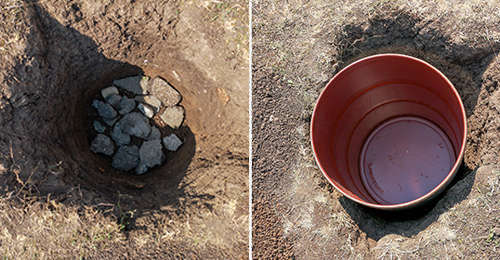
(388, 131)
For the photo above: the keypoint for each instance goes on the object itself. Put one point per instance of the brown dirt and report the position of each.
(297, 48)
(65, 201)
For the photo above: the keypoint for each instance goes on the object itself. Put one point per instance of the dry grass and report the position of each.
(46, 230)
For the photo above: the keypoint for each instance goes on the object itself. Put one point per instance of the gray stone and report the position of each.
(136, 85)
(114, 100)
(126, 105)
(104, 110)
(172, 142)
(151, 153)
(126, 158)
(102, 144)
(155, 134)
(141, 169)
(164, 92)
(119, 136)
(135, 124)
(110, 122)
(150, 100)
(98, 127)
(146, 110)
(106, 92)
(173, 116)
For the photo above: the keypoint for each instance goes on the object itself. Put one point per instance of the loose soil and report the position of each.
(297, 48)
(58, 199)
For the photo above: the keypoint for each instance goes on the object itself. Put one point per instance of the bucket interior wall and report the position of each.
(367, 94)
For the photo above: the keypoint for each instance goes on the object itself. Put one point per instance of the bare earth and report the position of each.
(58, 199)
(297, 48)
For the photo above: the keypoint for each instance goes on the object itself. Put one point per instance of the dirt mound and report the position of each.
(293, 203)
(65, 53)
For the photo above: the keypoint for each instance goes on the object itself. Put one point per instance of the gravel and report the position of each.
(150, 100)
(172, 142)
(126, 158)
(98, 127)
(161, 89)
(173, 116)
(119, 136)
(137, 85)
(106, 92)
(155, 134)
(151, 154)
(114, 100)
(102, 144)
(104, 110)
(126, 105)
(146, 110)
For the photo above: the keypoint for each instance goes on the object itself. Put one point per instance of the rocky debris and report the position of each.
(114, 100)
(106, 92)
(146, 110)
(173, 116)
(172, 142)
(150, 100)
(155, 134)
(161, 89)
(98, 127)
(126, 158)
(102, 144)
(136, 85)
(104, 110)
(151, 153)
(134, 124)
(125, 129)
(126, 105)
(119, 136)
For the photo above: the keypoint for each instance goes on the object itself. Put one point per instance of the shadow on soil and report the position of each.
(52, 89)
(462, 64)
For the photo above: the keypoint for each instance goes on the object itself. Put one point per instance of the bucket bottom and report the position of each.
(405, 158)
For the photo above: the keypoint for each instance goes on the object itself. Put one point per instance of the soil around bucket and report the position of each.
(405, 158)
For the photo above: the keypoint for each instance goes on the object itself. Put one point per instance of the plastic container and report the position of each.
(389, 131)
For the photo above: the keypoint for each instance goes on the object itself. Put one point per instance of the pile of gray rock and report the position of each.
(124, 128)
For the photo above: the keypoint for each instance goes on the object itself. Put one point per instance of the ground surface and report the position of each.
(297, 48)
(58, 199)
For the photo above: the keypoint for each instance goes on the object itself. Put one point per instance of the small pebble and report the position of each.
(141, 169)
(172, 142)
(110, 122)
(98, 127)
(134, 124)
(102, 144)
(126, 105)
(151, 154)
(150, 100)
(162, 90)
(126, 158)
(119, 136)
(106, 92)
(173, 116)
(104, 110)
(146, 110)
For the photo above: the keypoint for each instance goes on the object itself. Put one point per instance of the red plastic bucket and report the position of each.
(388, 131)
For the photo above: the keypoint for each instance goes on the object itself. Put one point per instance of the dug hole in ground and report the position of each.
(297, 49)
(59, 199)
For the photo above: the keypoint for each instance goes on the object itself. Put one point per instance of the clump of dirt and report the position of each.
(297, 49)
(65, 53)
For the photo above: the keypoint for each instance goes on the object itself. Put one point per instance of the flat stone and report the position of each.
(172, 142)
(167, 94)
(98, 127)
(111, 121)
(155, 134)
(126, 105)
(141, 169)
(106, 92)
(146, 110)
(119, 136)
(137, 84)
(102, 144)
(150, 100)
(104, 110)
(114, 100)
(173, 116)
(151, 154)
(126, 158)
(134, 124)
